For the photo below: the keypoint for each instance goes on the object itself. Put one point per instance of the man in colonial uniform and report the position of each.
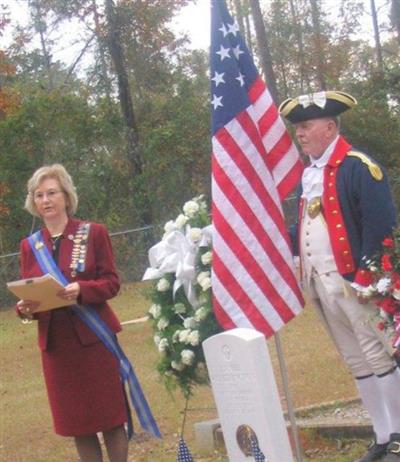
(345, 212)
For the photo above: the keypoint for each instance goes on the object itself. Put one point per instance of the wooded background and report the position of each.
(133, 125)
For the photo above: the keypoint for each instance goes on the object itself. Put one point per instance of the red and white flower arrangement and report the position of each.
(386, 289)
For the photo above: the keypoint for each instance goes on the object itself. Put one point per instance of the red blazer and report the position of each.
(98, 282)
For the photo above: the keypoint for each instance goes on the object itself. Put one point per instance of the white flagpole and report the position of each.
(290, 408)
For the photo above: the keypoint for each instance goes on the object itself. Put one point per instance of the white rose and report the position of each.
(203, 299)
(201, 314)
(179, 308)
(187, 357)
(191, 208)
(157, 339)
(184, 335)
(175, 336)
(163, 285)
(202, 275)
(383, 285)
(190, 323)
(205, 284)
(162, 323)
(195, 234)
(203, 204)
(155, 311)
(163, 345)
(181, 221)
(169, 227)
(177, 366)
(206, 258)
(194, 338)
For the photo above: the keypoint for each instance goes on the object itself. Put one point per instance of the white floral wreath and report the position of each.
(181, 313)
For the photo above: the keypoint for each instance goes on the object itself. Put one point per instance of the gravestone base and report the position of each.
(205, 435)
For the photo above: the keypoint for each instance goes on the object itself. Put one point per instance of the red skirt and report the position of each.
(84, 388)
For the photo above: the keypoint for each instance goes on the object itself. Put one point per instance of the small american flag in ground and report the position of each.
(254, 166)
(256, 451)
(183, 452)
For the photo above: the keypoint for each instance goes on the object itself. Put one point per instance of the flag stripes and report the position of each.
(254, 166)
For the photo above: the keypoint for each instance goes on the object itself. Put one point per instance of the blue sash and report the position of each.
(91, 318)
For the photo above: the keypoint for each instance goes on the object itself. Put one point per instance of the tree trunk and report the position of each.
(104, 79)
(378, 47)
(300, 44)
(125, 98)
(395, 16)
(319, 49)
(239, 16)
(40, 27)
(263, 49)
(124, 92)
(248, 33)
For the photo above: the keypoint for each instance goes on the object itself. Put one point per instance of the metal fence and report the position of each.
(130, 250)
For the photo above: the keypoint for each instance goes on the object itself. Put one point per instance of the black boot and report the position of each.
(375, 452)
(393, 449)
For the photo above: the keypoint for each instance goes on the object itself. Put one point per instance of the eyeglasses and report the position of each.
(50, 194)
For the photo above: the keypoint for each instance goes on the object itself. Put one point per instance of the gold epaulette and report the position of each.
(373, 168)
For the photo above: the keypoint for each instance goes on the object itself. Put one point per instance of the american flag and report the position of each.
(256, 451)
(254, 166)
(183, 452)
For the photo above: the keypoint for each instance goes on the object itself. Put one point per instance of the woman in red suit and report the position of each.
(84, 388)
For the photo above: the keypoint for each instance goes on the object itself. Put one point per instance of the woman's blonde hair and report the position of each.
(56, 172)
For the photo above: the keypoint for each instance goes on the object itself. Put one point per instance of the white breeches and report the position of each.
(363, 349)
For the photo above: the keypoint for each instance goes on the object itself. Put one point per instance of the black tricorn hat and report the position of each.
(316, 106)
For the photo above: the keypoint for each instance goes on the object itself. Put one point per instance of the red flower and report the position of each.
(396, 280)
(388, 242)
(381, 325)
(386, 263)
(388, 305)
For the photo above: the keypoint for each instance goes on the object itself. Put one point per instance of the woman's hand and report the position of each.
(70, 292)
(26, 308)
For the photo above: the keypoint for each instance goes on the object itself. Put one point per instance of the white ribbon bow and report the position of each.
(176, 253)
(319, 99)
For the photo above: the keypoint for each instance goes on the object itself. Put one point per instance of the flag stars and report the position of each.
(216, 102)
(237, 52)
(224, 30)
(218, 78)
(223, 52)
(233, 28)
(240, 78)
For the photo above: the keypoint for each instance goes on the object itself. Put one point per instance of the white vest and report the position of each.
(315, 247)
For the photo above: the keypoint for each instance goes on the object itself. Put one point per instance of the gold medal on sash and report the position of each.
(314, 207)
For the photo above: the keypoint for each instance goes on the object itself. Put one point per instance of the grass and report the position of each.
(315, 371)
